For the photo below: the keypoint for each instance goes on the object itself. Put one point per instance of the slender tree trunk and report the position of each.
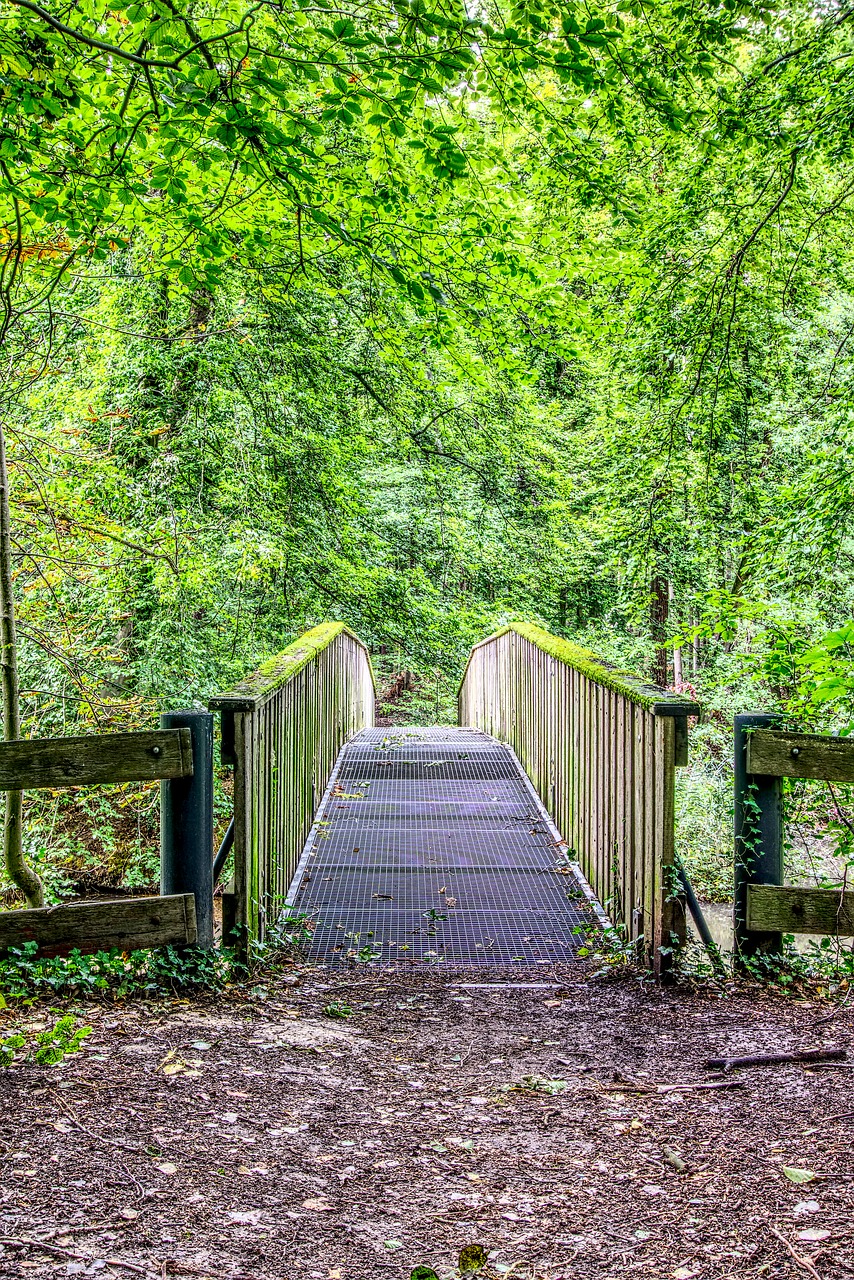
(677, 653)
(19, 871)
(658, 610)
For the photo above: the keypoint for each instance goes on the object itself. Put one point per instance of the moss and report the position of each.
(277, 671)
(595, 668)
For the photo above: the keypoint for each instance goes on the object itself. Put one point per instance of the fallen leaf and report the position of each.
(651, 1189)
(472, 1258)
(686, 1273)
(335, 1274)
(807, 1206)
(798, 1175)
(180, 1067)
(230, 1117)
(393, 1244)
(247, 1217)
(129, 1214)
(167, 1168)
(814, 1233)
(318, 1205)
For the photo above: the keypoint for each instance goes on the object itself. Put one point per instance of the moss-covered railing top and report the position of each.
(661, 702)
(252, 691)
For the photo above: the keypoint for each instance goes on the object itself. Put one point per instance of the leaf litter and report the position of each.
(546, 1135)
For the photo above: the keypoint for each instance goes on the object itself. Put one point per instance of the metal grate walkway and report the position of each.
(431, 844)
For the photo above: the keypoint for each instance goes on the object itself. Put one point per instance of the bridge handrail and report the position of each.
(282, 729)
(661, 702)
(600, 746)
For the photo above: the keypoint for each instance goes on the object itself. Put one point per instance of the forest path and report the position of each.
(532, 1112)
(431, 843)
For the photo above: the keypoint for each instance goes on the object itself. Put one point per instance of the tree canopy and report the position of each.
(425, 318)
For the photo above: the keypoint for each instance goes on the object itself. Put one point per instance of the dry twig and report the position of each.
(795, 1256)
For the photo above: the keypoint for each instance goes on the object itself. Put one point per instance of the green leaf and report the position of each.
(423, 1273)
(798, 1175)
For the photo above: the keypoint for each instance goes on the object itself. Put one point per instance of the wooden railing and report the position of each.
(177, 917)
(282, 729)
(764, 909)
(600, 746)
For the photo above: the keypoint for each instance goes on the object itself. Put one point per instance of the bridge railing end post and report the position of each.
(186, 822)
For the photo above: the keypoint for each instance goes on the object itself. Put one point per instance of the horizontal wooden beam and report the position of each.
(774, 909)
(779, 754)
(29, 765)
(128, 923)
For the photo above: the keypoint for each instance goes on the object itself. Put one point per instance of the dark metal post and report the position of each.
(758, 837)
(186, 822)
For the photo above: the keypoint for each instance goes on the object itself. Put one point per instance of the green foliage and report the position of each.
(337, 1010)
(24, 974)
(47, 1048)
(432, 322)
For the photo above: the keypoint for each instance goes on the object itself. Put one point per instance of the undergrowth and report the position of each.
(822, 969)
(46, 1048)
(26, 976)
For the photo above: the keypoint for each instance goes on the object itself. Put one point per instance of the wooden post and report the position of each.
(758, 838)
(186, 822)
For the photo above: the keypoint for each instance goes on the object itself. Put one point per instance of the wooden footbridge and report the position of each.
(505, 839)
(547, 813)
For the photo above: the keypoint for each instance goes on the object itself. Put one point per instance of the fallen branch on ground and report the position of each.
(769, 1059)
(671, 1088)
(24, 1243)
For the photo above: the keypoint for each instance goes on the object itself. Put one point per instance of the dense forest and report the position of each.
(424, 319)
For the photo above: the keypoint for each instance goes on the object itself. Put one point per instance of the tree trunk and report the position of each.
(658, 611)
(19, 871)
(678, 675)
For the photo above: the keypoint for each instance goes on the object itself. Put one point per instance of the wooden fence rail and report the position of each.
(129, 923)
(600, 746)
(764, 909)
(282, 728)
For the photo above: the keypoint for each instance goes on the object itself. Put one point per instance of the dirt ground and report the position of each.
(258, 1137)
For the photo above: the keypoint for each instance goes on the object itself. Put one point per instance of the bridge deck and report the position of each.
(431, 844)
